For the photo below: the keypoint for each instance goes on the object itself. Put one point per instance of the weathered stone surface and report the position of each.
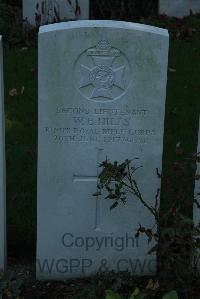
(2, 169)
(43, 12)
(102, 88)
(179, 8)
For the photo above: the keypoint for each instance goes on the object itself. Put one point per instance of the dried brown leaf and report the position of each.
(13, 92)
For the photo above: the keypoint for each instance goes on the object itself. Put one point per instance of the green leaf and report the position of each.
(111, 295)
(171, 295)
(15, 286)
(7, 276)
(114, 205)
(137, 295)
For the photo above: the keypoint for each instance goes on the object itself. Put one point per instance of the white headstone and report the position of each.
(179, 8)
(2, 169)
(197, 191)
(42, 12)
(101, 95)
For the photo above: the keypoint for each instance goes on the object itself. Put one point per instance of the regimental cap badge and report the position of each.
(103, 76)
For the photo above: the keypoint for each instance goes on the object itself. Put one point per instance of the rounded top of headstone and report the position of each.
(102, 23)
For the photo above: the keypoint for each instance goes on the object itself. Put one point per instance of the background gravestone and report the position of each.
(2, 169)
(179, 8)
(123, 10)
(42, 12)
(101, 95)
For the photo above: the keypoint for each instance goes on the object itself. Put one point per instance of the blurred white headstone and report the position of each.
(43, 12)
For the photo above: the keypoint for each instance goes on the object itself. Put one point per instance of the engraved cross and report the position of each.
(87, 178)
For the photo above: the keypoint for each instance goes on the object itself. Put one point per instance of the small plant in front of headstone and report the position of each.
(9, 286)
(119, 180)
(177, 238)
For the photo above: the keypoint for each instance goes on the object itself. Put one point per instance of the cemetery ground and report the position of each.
(181, 127)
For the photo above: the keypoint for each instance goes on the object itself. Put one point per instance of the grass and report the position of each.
(183, 91)
(21, 142)
(182, 110)
(181, 124)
